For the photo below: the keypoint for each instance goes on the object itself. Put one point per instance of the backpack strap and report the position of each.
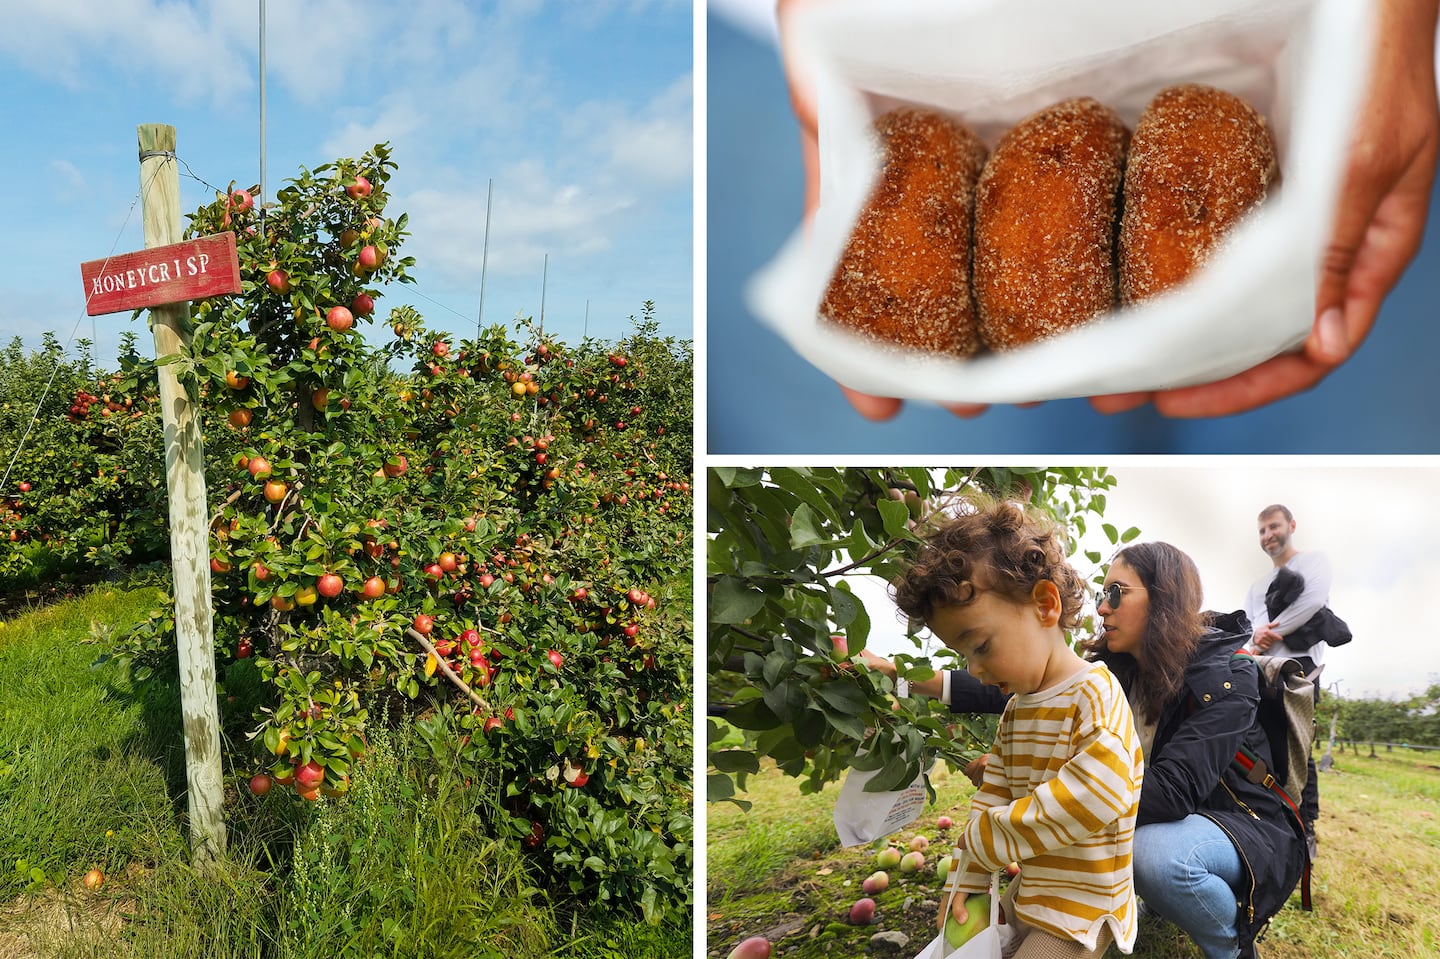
(1253, 768)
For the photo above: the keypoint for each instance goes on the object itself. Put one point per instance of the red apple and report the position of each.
(329, 585)
(877, 881)
(275, 490)
(440, 348)
(555, 658)
(93, 879)
(260, 784)
(359, 188)
(756, 947)
(448, 562)
(862, 912)
(944, 822)
(279, 281)
(424, 623)
(242, 200)
(339, 319)
(370, 257)
(363, 304)
(240, 417)
(397, 467)
(259, 467)
(373, 588)
(310, 775)
(243, 648)
(235, 381)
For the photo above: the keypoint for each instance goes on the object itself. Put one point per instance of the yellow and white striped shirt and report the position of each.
(1059, 797)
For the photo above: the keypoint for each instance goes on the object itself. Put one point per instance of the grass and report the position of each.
(779, 871)
(92, 775)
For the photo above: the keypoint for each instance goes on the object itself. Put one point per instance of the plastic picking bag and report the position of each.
(862, 817)
(991, 63)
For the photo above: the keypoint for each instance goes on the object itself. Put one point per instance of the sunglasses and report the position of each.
(1111, 594)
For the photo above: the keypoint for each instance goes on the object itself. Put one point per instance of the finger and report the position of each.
(875, 408)
(1271, 380)
(1120, 402)
(966, 411)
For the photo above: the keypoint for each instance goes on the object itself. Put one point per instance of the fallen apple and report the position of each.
(919, 844)
(260, 784)
(944, 822)
(888, 858)
(862, 912)
(756, 947)
(877, 881)
(94, 879)
(942, 866)
(977, 917)
(912, 862)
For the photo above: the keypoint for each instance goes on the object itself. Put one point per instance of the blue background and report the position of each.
(762, 398)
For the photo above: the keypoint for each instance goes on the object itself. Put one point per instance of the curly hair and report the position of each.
(1172, 630)
(989, 545)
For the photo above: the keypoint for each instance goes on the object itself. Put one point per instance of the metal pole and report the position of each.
(484, 256)
(544, 275)
(585, 331)
(261, 201)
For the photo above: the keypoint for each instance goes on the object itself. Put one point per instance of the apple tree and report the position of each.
(487, 537)
(785, 625)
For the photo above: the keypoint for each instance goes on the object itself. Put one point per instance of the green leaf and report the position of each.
(754, 715)
(805, 530)
(897, 774)
(778, 665)
(735, 761)
(842, 697)
(896, 516)
(1111, 532)
(1129, 534)
(733, 601)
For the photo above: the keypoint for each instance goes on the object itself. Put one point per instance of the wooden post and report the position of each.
(189, 536)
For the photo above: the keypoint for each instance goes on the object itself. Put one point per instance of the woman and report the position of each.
(1214, 853)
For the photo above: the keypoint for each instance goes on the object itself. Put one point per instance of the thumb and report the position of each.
(1360, 197)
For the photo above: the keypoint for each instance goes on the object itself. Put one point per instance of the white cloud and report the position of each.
(184, 46)
(70, 181)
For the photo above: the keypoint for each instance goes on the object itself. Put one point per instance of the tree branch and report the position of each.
(449, 673)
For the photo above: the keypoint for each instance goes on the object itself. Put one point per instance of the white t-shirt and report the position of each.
(1315, 568)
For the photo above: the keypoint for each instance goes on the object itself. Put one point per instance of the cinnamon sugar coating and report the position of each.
(904, 277)
(1200, 160)
(1046, 213)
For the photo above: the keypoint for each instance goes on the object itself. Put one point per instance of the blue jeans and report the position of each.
(1187, 871)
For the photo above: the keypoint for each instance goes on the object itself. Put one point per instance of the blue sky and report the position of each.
(581, 112)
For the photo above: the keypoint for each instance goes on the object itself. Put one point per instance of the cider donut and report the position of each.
(1046, 214)
(904, 277)
(1200, 160)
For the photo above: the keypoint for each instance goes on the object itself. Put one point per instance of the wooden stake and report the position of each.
(189, 532)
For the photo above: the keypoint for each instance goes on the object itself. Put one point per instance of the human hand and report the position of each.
(975, 770)
(1378, 228)
(1265, 637)
(878, 663)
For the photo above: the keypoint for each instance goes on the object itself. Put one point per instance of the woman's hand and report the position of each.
(1379, 223)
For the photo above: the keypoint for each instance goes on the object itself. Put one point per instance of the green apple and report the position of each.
(912, 862)
(888, 858)
(977, 917)
(942, 867)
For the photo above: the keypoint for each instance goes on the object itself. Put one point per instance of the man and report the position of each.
(1277, 529)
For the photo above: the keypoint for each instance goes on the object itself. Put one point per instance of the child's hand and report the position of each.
(957, 909)
(975, 769)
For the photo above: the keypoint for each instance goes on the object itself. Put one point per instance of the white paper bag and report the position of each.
(862, 817)
(1301, 63)
(985, 944)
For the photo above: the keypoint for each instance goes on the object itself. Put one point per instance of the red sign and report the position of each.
(193, 270)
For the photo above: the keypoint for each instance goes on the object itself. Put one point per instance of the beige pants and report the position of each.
(1034, 943)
